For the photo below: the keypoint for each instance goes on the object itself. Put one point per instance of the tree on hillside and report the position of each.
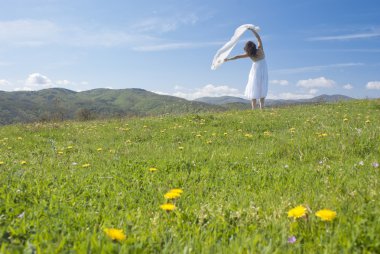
(84, 114)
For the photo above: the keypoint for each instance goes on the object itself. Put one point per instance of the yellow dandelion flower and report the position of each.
(153, 169)
(172, 195)
(60, 152)
(322, 135)
(292, 130)
(267, 133)
(115, 234)
(168, 207)
(23, 162)
(1, 162)
(99, 149)
(198, 135)
(85, 165)
(345, 119)
(180, 148)
(145, 126)
(70, 147)
(297, 212)
(19, 138)
(180, 191)
(225, 134)
(368, 121)
(209, 142)
(326, 214)
(248, 135)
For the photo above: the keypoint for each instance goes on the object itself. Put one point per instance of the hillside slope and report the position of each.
(58, 103)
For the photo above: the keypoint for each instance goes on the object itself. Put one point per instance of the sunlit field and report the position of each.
(301, 179)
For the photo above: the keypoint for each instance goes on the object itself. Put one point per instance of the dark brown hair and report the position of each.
(250, 48)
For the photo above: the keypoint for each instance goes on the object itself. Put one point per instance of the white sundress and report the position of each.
(257, 86)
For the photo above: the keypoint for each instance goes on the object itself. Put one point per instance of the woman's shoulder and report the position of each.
(260, 52)
(259, 55)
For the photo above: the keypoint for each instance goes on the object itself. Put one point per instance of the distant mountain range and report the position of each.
(63, 104)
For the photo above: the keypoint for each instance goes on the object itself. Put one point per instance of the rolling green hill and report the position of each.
(63, 104)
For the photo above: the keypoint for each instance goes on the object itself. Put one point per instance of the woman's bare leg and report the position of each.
(253, 103)
(262, 102)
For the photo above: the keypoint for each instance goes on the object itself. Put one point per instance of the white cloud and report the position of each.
(4, 84)
(293, 96)
(24, 88)
(207, 91)
(161, 93)
(63, 82)
(166, 23)
(346, 37)
(348, 86)
(290, 96)
(89, 38)
(28, 32)
(174, 46)
(179, 88)
(34, 33)
(315, 83)
(279, 82)
(75, 86)
(35, 81)
(316, 68)
(38, 80)
(37, 33)
(373, 85)
(313, 91)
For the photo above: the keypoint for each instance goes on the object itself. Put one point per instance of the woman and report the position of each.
(257, 86)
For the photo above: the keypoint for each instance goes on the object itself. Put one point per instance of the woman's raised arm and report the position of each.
(236, 57)
(260, 43)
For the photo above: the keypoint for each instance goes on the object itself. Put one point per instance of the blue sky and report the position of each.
(312, 47)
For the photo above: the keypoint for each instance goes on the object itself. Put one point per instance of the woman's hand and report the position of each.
(226, 59)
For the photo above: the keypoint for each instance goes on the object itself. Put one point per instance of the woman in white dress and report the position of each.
(257, 86)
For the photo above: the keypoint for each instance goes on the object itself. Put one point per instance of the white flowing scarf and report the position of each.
(227, 48)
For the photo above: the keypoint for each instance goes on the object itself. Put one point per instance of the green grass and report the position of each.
(241, 172)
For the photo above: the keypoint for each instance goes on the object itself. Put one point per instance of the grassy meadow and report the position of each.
(65, 186)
